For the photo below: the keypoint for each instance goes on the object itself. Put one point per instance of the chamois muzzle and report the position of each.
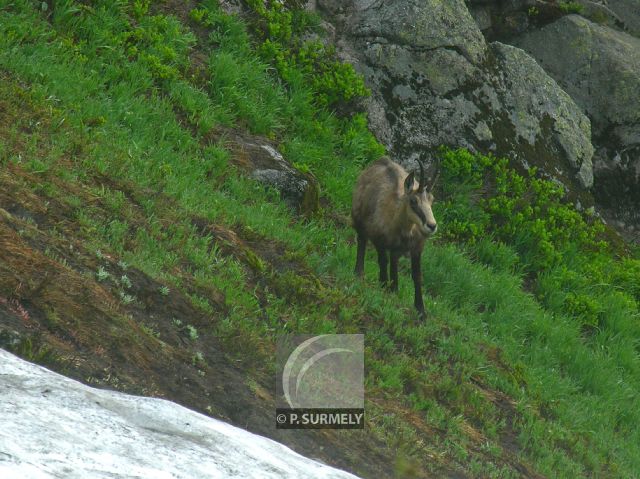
(428, 229)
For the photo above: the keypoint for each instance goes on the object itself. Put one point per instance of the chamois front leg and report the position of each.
(362, 247)
(382, 263)
(416, 275)
(393, 270)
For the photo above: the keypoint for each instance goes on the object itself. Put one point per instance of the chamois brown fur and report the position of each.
(393, 211)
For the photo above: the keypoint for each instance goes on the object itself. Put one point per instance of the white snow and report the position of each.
(55, 427)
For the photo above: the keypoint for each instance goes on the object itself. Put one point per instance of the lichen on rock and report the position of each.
(436, 81)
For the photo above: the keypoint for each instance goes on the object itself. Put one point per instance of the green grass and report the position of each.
(116, 83)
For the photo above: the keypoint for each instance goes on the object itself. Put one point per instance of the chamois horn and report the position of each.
(422, 184)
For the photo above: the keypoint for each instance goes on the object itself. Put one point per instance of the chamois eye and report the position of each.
(413, 201)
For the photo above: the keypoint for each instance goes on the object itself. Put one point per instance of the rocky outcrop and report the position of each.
(503, 20)
(598, 11)
(436, 81)
(263, 162)
(54, 427)
(600, 68)
(548, 125)
(627, 13)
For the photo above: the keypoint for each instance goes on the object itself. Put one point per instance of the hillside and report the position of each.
(139, 253)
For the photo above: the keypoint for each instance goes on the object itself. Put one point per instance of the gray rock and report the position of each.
(628, 12)
(231, 7)
(505, 19)
(600, 69)
(420, 26)
(541, 112)
(435, 81)
(266, 164)
(482, 16)
(599, 12)
(500, 19)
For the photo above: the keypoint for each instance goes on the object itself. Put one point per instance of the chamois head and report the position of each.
(417, 203)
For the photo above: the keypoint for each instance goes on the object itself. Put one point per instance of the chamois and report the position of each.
(395, 214)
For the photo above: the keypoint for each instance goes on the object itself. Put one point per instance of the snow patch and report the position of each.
(55, 427)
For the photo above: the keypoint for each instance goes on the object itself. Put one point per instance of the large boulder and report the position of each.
(504, 20)
(628, 13)
(600, 68)
(435, 80)
(547, 123)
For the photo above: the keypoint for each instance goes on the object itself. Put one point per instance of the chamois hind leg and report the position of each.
(382, 263)
(362, 247)
(393, 271)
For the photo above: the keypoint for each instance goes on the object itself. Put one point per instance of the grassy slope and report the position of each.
(112, 152)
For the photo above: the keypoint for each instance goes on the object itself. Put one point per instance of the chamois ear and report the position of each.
(408, 183)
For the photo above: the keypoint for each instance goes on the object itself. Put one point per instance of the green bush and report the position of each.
(281, 27)
(570, 268)
(487, 197)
